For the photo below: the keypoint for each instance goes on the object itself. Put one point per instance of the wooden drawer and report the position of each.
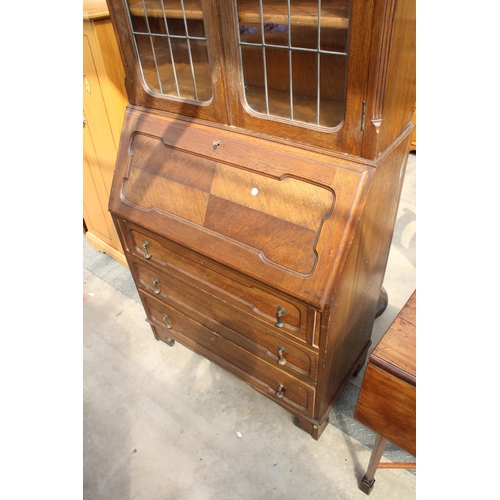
(168, 322)
(243, 293)
(245, 330)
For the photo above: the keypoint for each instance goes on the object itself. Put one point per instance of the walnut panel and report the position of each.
(288, 199)
(279, 241)
(285, 214)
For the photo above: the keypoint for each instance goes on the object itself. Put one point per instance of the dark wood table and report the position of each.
(387, 400)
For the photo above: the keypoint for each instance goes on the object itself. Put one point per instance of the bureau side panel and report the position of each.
(343, 344)
(375, 234)
(347, 325)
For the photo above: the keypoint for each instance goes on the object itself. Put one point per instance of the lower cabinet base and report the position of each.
(315, 429)
(170, 342)
(310, 425)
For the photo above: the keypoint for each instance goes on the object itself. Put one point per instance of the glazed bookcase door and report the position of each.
(172, 53)
(298, 68)
(292, 69)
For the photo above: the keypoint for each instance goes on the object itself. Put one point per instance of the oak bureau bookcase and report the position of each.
(257, 180)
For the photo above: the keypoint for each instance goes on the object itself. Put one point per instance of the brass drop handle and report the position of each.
(281, 353)
(280, 311)
(279, 392)
(155, 284)
(145, 245)
(167, 321)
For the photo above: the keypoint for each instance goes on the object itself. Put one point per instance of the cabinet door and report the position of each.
(172, 53)
(297, 68)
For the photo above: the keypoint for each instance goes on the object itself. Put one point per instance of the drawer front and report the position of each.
(238, 327)
(169, 322)
(241, 292)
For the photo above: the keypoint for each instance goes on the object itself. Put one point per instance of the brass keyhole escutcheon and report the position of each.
(280, 311)
(281, 353)
(279, 392)
(145, 246)
(155, 284)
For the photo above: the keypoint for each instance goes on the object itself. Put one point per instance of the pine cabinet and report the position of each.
(258, 177)
(104, 102)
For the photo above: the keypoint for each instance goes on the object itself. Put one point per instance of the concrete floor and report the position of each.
(163, 423)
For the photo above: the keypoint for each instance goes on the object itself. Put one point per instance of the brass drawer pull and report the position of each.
(281, 353)
(145, 245)
(279, 392)
(167, 321)
(280, 311)
(155, 284)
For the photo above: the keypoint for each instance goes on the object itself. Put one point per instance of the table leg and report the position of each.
(366, 484)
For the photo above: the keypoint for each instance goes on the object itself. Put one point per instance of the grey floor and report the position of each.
(163, 423)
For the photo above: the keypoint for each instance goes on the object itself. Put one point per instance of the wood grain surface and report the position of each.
(387, 400)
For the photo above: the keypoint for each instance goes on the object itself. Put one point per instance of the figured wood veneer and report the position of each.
(229, 200)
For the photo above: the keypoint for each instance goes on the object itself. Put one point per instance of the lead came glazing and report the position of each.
(293, 56)
(171, 46)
